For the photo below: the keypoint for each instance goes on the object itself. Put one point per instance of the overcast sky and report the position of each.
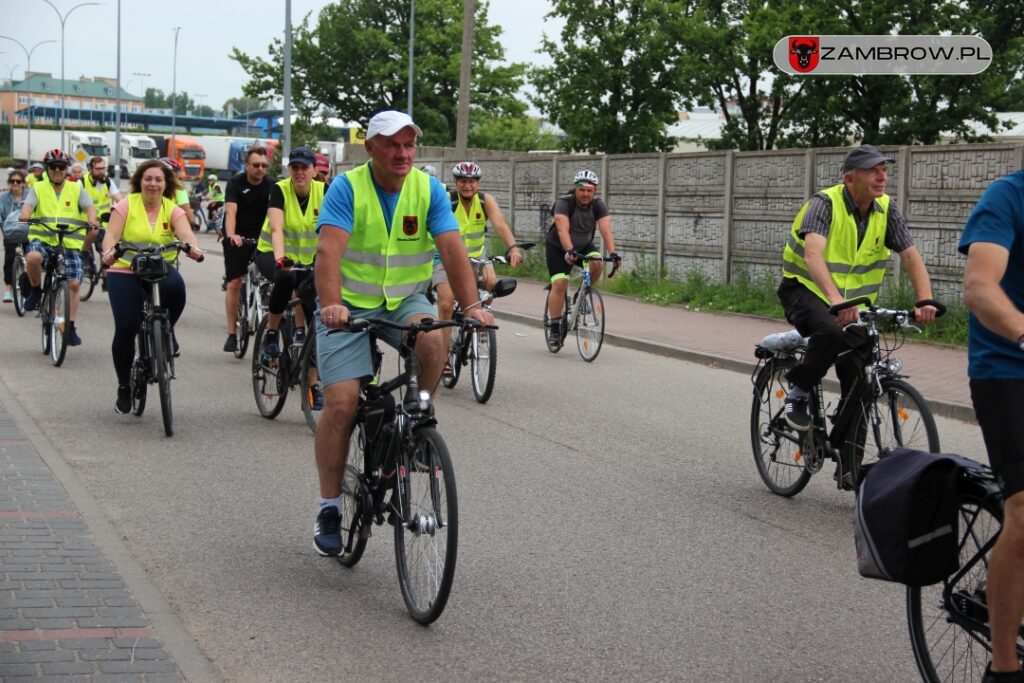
(209, 30)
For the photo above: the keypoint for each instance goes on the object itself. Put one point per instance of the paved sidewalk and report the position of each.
(65, 609)
(727, 341)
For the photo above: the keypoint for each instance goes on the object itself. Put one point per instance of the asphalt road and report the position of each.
(613, 523)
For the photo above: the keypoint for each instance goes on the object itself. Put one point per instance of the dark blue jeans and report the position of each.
(126, 293)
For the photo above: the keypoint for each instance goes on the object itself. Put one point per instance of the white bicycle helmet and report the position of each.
(586, 176)
(467, 169)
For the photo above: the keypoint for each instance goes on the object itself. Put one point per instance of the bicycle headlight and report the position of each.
(894, 366)
(424, 399)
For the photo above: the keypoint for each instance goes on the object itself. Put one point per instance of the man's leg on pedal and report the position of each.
(998, 403)
(73, 271)
(558, 271)
(236, 262)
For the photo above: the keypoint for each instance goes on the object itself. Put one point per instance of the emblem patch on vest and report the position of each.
(167, 226)
(67, 203)
(410, 225)
(478, 216)
(316, 212)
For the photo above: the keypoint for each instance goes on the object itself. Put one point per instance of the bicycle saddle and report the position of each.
(784, 341)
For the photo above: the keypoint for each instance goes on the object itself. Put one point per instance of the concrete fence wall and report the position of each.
(728, 213)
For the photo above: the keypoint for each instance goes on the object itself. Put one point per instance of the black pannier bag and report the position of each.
(905, 519)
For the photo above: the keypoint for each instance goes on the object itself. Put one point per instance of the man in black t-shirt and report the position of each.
(577, 217)
(245, 206)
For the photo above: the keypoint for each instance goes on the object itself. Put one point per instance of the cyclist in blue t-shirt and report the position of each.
(993, 240)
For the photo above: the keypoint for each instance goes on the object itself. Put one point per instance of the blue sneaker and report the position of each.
(271, 349)
(327, 532)
(73, 338)
(32, 300)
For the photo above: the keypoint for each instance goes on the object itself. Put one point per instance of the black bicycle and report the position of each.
(154, 349)
(949, 621)
(274, 377)
(55, 307)
(583, 312)
(478, 348)
(880, 412)
(395, 447)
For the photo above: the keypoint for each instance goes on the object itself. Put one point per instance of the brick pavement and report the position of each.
(64, 609)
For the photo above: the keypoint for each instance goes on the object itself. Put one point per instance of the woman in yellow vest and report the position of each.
(289, 235)
(148, 216)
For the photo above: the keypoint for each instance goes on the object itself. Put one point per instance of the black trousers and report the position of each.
(810, 316)
(285, 282)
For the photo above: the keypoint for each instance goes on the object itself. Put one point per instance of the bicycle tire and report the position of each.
(590, 325)
(307, 363)
(45, 315)
(906, 420)
(777, 457)
(242, 319)
(456, 352)
(60, 322)
(353, 497)
(19, 279)
(139, 383)
(161, 339)
(484, 362)
(90, 274)
(427, 532)
(948, 647)
(269, 383)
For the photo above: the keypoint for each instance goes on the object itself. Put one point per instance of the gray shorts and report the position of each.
(345, 355)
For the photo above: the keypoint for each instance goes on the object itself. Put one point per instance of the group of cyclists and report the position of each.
(382, 235)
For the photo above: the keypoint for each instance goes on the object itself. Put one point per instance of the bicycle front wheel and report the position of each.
(353, 517)
(776, 445)
(948, 621)
(161, 341)
(427, 533)
(60, 322)
(139, 382)
(19, 285)
(309, 383)
(242, 321)
(269, 377)
(590, 325)
(904, 420)
(484, 361)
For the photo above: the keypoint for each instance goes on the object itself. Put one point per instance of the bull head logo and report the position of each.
(803, 53)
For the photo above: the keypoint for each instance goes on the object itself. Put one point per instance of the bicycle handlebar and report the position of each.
(424, 325)
(121, 248)
(484, 260)
(582, 260)
(62, 228)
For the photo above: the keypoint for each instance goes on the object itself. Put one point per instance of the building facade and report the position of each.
(87, 102)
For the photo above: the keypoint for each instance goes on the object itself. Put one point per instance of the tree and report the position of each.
(183, 104)
(516, 133)
(354, 61)
(611, 87)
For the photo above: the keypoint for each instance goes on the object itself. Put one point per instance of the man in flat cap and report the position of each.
(837, 251)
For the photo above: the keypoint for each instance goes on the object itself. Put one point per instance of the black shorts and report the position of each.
(556, 258)
(236, 259)
(998, 404)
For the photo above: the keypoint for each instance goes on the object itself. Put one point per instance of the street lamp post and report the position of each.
(174, 93)
(28, 68)
(142, 83)
(63, 20)
(10, 79)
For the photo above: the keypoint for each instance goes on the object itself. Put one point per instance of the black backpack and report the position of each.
(906, 517)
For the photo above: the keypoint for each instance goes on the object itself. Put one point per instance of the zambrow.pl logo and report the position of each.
(920, 55)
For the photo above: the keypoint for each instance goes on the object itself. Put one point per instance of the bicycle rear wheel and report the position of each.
(309, 382)
(269, 377)
(161, 341)
(455, 354)
(19, 284)
(590, 325)
(242, 320)
(427, 534)
(60, 322)
(948, 622)
(353, 496)
(776, 445)
(904, 420)
(139, 383)
(484, 362)
(90, 274)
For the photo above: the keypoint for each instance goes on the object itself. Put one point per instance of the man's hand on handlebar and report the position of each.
(236, 240)
(481, 315)
(847, 316)
(334, 317)
(925, 314)
(515, 257)
(572, 256)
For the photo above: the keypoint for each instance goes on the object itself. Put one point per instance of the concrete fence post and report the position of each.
(659, 221)
(730, 158)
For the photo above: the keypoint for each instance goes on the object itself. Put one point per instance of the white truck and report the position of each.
(79, 145)
(134, 150)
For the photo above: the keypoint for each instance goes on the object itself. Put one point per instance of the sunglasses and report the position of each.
(57, 167)
(259, 165)
(15, 181)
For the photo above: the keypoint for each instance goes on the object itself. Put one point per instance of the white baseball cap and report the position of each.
(390, 122)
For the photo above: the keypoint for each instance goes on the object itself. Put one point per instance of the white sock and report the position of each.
(327, 502)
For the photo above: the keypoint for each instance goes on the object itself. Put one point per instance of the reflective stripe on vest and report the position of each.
(856, 271)
(472, 225)
(139, 230)
(100, 197)
(299, 228)
(52, 210)
(381, 268)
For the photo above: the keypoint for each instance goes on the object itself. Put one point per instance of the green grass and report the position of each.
(696, 291)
